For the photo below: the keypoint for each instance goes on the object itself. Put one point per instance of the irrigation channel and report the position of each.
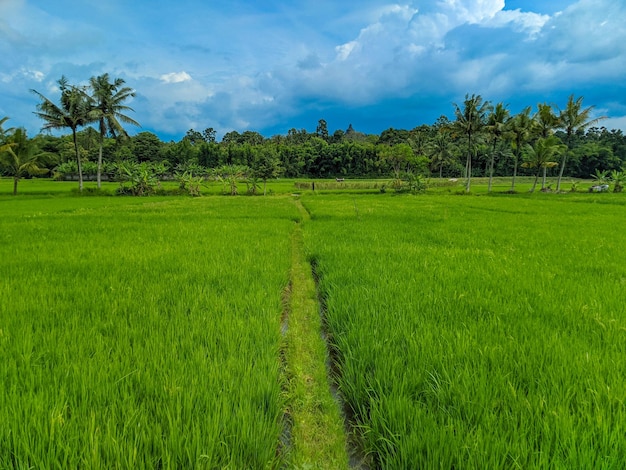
(317, 427)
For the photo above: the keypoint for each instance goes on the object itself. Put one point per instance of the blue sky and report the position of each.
(271, 66)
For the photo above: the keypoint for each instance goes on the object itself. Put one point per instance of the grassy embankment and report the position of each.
(316, 426)
(46, 187)
(478, 332)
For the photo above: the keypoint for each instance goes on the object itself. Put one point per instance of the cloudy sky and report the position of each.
(272, 65)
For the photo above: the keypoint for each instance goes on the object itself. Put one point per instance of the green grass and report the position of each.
(316, 426)
(46, 187)
(478, 332)
(142, 333)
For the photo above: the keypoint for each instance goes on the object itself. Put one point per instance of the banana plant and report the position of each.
(600, 177)
(618, 178)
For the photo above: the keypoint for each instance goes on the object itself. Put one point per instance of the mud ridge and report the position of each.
(285, 441)
(358, 459)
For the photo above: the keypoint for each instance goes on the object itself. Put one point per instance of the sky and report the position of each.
(270, 66)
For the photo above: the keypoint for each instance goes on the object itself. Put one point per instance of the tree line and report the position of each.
(484, 139)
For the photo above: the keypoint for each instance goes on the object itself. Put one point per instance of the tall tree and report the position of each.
(5, 145)
(546, 121)
(3, 131)
(520, 128)
(19, 157)
(107, 109)
(265, 164)
(399, 158)
(440, 150)
(573, 119)
(4, 134)
(146, 147)
(322, 130)
(496, 127)
(209, 135)
(194, 137)
(73, 112)
(540, 157)
(470, 121)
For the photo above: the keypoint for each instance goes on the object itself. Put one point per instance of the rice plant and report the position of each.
(478, 332)
(142, 333)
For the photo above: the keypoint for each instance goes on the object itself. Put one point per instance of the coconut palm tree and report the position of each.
(439, 148)
(3, 131)
(107, 108)
(519, 128)
(546, 121)
(3, 134)
(470, 122)
(73, 112)
(20, 157)
(540, 157)
(496, 128)
(5, 145)
(573, 119)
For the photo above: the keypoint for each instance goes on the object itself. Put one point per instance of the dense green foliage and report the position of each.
(303, 154)
(484, 140)
(478, 332)
(310, 156)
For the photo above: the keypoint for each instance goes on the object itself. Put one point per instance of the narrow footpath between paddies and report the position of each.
(316, 438)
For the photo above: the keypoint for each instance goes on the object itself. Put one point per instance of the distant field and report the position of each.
(476, 332)
(469, 331)
(38, 187)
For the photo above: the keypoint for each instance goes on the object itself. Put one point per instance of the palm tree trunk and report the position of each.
(558, 181)
(532, 190)
(468, 165)
(543, 181)
(468, 171)
(493, 157)
(80, 167)
(514, 171)
(490, 172)
(100, 164)
(15, 180)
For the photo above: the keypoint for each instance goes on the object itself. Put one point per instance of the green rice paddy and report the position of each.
(468, 331)
(142, 333)
(476, 332)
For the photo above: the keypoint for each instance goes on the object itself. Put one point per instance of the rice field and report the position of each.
(478, 332)
(142, 333)
(468, 332)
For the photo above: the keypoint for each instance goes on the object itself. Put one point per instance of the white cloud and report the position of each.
(344, 50)
(588, 31)
(176, 77)
(618, 122)
(520, 21)
(471, 11)
(232, 70)
(465, 45)
(35, 75)
(23, 74)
